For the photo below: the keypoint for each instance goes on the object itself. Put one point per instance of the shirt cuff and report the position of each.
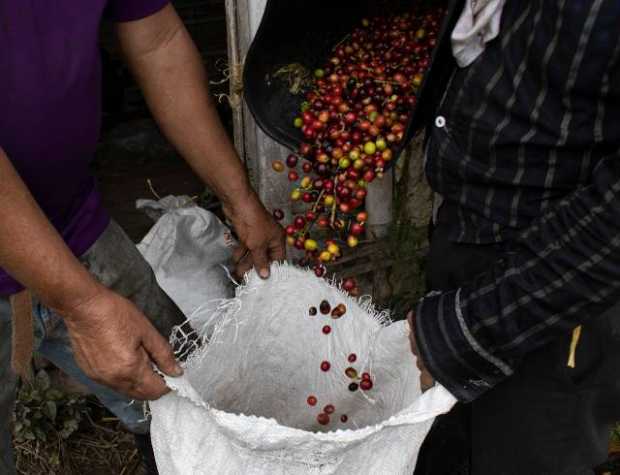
(450, 352)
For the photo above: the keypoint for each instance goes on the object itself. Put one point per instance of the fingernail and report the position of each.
(264, 273)
(178, 371)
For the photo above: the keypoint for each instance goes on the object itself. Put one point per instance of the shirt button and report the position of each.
(440, 121)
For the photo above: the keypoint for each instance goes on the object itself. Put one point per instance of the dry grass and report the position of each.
(100, 445)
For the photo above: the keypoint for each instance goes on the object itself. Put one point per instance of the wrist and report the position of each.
(66, 300)
(235, 204)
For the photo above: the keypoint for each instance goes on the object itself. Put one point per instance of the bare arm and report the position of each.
(112, 341)
(169, 69)
(29, 243)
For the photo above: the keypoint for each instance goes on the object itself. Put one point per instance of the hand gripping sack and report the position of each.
(242, 405)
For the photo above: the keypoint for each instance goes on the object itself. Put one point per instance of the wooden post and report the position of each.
(254, 146)
(379, 205)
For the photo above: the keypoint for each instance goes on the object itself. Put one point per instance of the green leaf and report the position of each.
(54, 459)
(70, 426)
(54, 394)
(51, 410)
(41, 435)
(43, 380)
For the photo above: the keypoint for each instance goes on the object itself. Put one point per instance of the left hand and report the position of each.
(426, 379)
(262, 240)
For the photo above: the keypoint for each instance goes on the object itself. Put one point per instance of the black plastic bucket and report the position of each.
(302, 31)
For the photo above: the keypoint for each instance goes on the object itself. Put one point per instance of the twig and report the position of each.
(155, 194)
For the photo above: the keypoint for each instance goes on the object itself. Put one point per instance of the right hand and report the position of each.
(116, 345)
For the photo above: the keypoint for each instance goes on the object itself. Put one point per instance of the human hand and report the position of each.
(261, 238)
(116, 345)
(426, 379)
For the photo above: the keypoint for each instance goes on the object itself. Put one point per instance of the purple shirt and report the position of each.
(50, 106)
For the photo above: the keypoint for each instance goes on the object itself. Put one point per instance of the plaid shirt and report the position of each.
(526, 145)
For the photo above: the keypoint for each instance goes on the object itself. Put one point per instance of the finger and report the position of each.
(412, 341)
(426, 381)
(160, 352)
(149, 385)
(239, 253)
(261, 262)
(243, 266)
(411, 319)
(420, 365)
(277, 247)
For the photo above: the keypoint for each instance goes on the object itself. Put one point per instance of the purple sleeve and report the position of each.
(130, 10)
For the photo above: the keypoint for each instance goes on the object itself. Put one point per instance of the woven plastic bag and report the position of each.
(242, 405)
(189, 250)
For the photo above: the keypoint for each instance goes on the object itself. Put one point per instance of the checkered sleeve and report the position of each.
(561, 271)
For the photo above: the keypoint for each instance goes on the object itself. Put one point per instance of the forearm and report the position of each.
(563, 271)
(173, 79)
(32, 251)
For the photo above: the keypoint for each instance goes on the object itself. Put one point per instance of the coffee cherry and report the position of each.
(348, 284)
(366, 384)
(312, 400)
(291, 161)
(312, 311)
(293, 175)
(325, 365)
(356, 229)
(369, 148)
(344, 418)
(323, 419)
(351, 372)
(339, 311)
(327, 329)
(365, 375)
(352, 357)
(362, 217)
(299, 222)
(319, 270)
(325, 256)
(277, 166)
(369, 176)
(353, 387)
(329, 409)
(278, 214)
(333, 249)
(325, 307)
(310, 245)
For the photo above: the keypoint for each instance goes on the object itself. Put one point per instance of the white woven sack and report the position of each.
(188, 249)
(241, 406)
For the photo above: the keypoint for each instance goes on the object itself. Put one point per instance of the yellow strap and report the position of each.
(573, 346)
(23, 337)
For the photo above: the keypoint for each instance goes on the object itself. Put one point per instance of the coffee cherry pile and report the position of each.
(353, 119)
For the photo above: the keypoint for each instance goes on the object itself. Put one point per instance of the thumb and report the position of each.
(261, 262)
(160, 352)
